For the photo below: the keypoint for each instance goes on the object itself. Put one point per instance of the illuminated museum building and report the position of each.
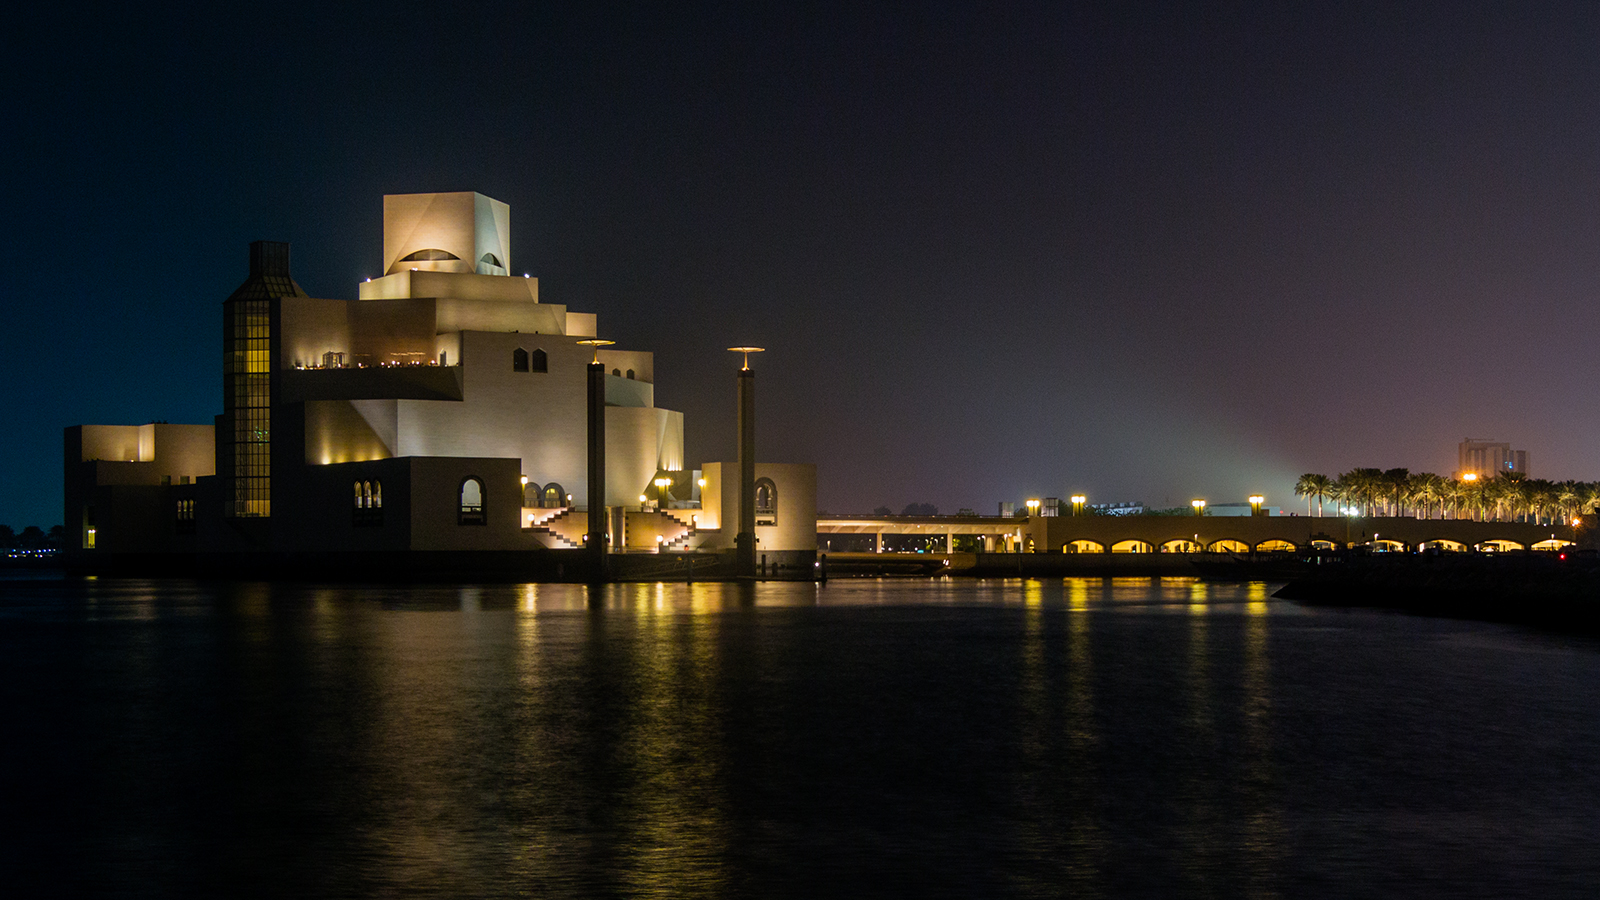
(443, 410)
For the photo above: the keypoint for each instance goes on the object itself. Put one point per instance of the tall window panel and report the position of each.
(247, 402)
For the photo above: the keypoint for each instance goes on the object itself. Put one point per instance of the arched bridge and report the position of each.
(1173, 534)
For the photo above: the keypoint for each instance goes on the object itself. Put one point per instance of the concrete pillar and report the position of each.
(949, 542)
(877, 542)
(599, 520)
(745, 540)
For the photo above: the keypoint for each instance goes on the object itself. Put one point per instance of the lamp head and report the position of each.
(596, 343)
(747, 351)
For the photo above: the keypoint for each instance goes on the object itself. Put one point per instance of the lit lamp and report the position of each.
(1033, 507)
(1199, 507)
(1255, 504)
(1470, 476)
(596, 344)
(661, 490)
(1077, 504)
(747, 351)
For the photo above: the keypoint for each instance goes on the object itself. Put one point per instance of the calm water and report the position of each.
(1083, 737)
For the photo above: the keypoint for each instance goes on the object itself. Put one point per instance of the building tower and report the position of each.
(1488, 458)
(244, 430)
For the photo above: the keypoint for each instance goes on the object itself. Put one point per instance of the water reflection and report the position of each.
(1085, 850)
(1098, 737)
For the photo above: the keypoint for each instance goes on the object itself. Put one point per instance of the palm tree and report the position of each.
(1589, 497)
(1313, 485)
(1472, 497)
(1427, 489)
(1364, 486)
(1323, 487)
(1567, 495)
(1395, 482)
(1302, 488)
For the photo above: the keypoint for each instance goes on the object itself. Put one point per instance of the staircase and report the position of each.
(550, 527)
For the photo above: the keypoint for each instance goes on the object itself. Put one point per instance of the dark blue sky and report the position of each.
(1141, 251)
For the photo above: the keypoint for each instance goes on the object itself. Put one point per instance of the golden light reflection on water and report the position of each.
(653, 778)
(1078, 594)
(1198, 828)
(1086, 842)
(674, 834)
(1263, 838)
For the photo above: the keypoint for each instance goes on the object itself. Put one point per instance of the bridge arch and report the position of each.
(1443, 544)
(1083, 546)
(1227, 545)
(1384, 545)
(1180, 545)
(1320, 544)
(1497, 545)
(1132, 546)
(1552, 544)
(1273, 545)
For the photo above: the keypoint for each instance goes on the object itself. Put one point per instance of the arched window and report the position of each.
(519, 360)
(630, 374)
(766, 502)
(489, 259)
(530, 494)
(616, 372)
(369, 504)
(472, 497)
(538, 362)
(429, 255)
(554, 497)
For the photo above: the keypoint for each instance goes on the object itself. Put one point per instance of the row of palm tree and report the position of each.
(1509, 496)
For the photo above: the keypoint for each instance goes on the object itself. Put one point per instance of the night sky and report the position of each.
(995, 251)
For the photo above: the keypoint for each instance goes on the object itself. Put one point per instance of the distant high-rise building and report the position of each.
(1487, 458)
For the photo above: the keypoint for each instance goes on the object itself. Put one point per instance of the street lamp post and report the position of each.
(1077, 504)
(1033, 507)
(1255, 504)
(1199, 507)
